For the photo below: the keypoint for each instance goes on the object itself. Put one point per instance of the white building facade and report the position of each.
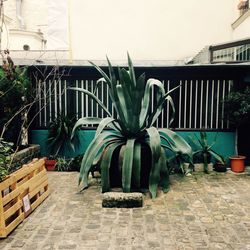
(78, 30)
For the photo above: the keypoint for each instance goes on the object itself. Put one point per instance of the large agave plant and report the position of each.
(132, 128)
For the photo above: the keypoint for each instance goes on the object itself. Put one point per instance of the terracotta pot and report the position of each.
(237, 163)
(50, 165)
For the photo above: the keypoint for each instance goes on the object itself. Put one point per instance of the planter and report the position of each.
(116, 173)
(50, 164)
(20, 193)
(25, 156)
(237, 163)
(220, 167)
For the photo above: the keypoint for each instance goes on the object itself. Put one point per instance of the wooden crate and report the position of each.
(30, 181)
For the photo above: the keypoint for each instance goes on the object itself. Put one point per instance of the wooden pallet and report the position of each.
(21, 193)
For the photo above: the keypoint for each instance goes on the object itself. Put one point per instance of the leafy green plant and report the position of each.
(237, 107)
(130, 131)
(205, 151)
(63, 164)
(237, 110)
(15, 92)
(68, 164)
(59, 135)
(5, 152)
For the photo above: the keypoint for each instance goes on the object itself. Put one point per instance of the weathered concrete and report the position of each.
(122, 200)
(199, 212)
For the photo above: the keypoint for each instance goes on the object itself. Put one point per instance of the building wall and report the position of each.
(148, 29)
(34, 16)
(224, 143)
(243, 30)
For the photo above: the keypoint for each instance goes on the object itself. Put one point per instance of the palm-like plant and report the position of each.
(60, 130)
(132, 128)
(206, 150)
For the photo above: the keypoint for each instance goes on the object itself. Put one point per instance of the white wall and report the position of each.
(243, 30)
(148, 29)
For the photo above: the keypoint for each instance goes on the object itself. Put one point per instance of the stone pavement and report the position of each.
(199, 212)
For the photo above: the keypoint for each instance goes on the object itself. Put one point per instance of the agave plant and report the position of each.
(60, 130)
(132, 129)
(205, 150)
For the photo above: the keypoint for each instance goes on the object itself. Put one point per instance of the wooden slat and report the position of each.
(40, 199)
(14, 223)
(21, 173)
(31, 184)
(12, 195)
(43, 184)
(13, 209)
(2, 221)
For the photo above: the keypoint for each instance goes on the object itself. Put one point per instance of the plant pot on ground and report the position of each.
(237, 163)
(220, 166)
(50, 163)
(237, 109)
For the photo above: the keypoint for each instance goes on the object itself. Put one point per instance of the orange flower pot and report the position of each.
(50, 165)
(237, 163)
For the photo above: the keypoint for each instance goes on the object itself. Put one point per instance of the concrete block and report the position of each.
(122, 200)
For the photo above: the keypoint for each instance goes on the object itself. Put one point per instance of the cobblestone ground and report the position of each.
(199, 212)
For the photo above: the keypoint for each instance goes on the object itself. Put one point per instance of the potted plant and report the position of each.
(63, 164)
(50, 163)
(59, 141)
(132, 136)
(204, 151)
(237, 107)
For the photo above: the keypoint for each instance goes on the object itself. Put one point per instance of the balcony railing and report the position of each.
(233, 52)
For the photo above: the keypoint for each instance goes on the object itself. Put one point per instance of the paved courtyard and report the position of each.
(199, 212)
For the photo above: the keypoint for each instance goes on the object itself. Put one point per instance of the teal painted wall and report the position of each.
(224, 143)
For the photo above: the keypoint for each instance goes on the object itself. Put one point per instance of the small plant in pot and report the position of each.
(59, 141)
(132, 136)
(50, 163)
(237, 108)
(204, 151)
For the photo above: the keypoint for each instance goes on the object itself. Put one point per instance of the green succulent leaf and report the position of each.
(136, 171)
(93, 97)
(178, 144)
(155, 175)
(154, 143)
(217, 156)
(104, 123)
(146, 98)
(91, 152)
(127, 165)
(105, 165)
(85, 121)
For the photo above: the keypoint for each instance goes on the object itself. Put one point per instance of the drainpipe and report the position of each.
(69, 34)
(19, 14)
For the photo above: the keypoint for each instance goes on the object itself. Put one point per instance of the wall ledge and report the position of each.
(241, 19)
